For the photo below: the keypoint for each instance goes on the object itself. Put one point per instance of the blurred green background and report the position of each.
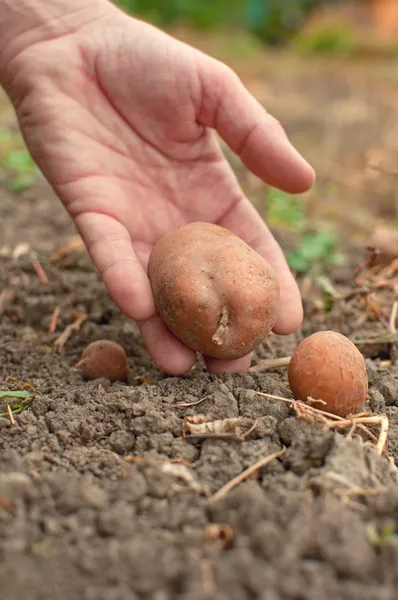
(272, 20)
(328, 71)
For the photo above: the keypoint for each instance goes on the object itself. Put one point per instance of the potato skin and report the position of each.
(385, 242)
(328, 366)
(214, 292)
(104, 358)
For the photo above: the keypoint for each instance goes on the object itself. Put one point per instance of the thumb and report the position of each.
(249, 130)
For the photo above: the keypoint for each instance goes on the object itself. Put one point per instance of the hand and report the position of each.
(119, 117)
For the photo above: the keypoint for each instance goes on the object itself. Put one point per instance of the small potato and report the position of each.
(214, 292)
(385, 242)
(327, 366)
(104, 358)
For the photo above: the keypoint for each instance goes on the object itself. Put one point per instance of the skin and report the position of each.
(121, 119)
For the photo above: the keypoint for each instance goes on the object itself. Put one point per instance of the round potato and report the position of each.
(327, 366)
(385, 242)
(214, 292)
(104, 358)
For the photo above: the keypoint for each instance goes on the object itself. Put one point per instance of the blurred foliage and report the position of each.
(314, 248)
(285, 211)
(17, 169)
(327, 38)
(198, 13)
(384, 536)
(272, 20)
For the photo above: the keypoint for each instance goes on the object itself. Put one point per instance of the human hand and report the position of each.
(119, 118)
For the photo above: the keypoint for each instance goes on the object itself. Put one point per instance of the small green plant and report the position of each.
(381, 537)
(18, 170)
(315, 247)
(284, 210)
(244, 46)
(318, 247)
(328, 40)
(22, 402)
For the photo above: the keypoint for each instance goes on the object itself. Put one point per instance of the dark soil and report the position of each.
(79, 521)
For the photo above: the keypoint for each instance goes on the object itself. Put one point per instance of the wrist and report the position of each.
(24, 23)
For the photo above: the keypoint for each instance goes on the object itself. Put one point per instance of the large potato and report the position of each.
(213, 291)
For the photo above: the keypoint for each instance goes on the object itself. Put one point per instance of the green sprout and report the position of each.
(334, 39)
(315, 248)
(16, 407)
(284, 210)
(18, 170)
(386, 535)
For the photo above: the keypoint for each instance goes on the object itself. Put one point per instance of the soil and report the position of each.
(103, 498)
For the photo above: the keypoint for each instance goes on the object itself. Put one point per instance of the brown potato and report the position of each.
(104, 358)
(214, 292)
(327, 366)
(385, 242)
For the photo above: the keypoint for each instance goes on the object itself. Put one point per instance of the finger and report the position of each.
(170, 355)
(246, 223)
(109, 245)
(253, 134)
(239, 365)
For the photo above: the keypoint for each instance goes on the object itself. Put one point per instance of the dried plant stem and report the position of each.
(8, 295)
(209, 584)
(270, 363)
(40, 272)
(10, 415)
(223, 491)
(375, 420)
(65, 335)
(363, 491)
(54, 319)
(280, 398)
(328, 420)
(393, 318)
(187, 404)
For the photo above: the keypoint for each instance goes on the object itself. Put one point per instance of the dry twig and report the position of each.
(327, 420)
(54, 319)
(363, 491)
(270, 363)
(393, 318)
(11, 416)
(75, 244)
(209, 584)
(199, 427)
(187, 404)
(8, 295)
(40, 272)
(65, 335)
(382, 421)
(139, 459)
(270, 347)
(223, 491)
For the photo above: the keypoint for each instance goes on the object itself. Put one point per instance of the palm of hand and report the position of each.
(118, 126)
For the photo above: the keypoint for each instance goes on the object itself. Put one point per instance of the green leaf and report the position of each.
(14, 394)
(20, 182)
(284, 210)
(315, 247)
